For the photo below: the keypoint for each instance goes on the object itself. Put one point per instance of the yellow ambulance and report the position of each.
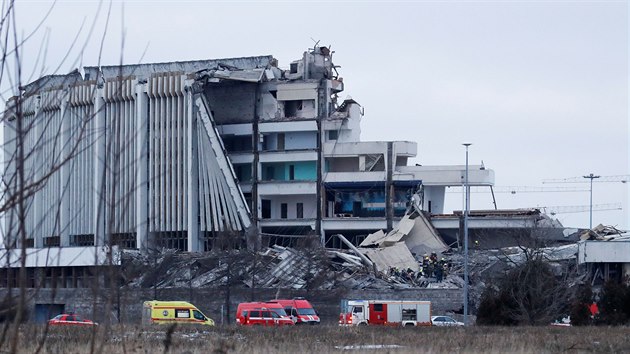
(166, 312)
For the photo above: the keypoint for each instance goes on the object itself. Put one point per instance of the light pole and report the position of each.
(590, 223)
(467, 207)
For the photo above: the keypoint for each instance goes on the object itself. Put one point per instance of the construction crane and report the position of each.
(520, 189)
(586, 179)
(553, 210)
(524, 189)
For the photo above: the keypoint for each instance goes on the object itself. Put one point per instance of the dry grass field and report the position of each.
(328, 339)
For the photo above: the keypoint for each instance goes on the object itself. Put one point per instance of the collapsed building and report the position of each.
(221, 154)
(190, 155)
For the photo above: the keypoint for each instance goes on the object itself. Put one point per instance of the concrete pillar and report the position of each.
(100, 145)
(66, 170)
(193, 175)
(142, 163)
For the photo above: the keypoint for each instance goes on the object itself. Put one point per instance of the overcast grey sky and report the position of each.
(540, 88)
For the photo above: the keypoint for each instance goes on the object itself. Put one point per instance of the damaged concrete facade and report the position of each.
(187, 155)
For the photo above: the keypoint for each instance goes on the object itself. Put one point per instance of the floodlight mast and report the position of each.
(466, 209)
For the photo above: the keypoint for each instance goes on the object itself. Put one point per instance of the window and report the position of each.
(291, 172)
(281, 141)
(333, 135)
(283, 210)
(179, 313)
(198, 315)
(267, 314)
(357, 309)
(378, 307)
(266, 209)
(409, 314)
(270, 173)
(254, 314)
(299, 210)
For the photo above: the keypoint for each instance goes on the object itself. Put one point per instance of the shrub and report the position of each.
(614, 305)
(580, 311)
(529, 294)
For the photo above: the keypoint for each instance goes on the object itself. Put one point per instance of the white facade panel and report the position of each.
(440, 176)
(235, 129)
(237, 158)
(286, 188)
(355, 176)
(288, 156)
(300, 140)
(354, 149)
(291, 126)
(604, 252)
(354, 224)
(62, 256)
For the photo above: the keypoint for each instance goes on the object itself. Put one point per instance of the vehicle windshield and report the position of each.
(307, 311)
(280, 312)
(198, 315)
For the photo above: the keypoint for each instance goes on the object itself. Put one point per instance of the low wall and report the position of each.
(126, 304)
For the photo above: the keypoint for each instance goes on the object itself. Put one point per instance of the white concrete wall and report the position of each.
(286, 188)
(310, 207)
(435, 195)
(287, 156)
(447, 175)
(300, 140)
(604, 252)
(61, 256)
(291, 126)
(235, 129)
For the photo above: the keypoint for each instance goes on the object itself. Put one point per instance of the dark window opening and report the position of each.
(284, 208)
(82, 240)
(281, 141)
(378, 307)
(291, 108)
(291, 172)
(333, 135)
(299, 210)
(270, 173)
(52, 241)
(266, 209)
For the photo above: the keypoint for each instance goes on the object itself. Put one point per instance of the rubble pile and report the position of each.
(382, 261)
(602, 233)
(274, 267)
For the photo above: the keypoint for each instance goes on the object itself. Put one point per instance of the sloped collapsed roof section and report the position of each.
(415, 230)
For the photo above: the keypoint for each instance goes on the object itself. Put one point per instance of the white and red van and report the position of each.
(299, 309)
(262, 313)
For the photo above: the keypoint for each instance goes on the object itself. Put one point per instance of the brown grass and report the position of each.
(330, 339)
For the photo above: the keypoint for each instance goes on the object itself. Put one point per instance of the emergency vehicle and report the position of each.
(262, 314)
(163, 312)
(70, 320)
(385, 312)
(300, 310)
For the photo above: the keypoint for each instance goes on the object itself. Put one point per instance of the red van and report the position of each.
(262, 313)
(299, 309)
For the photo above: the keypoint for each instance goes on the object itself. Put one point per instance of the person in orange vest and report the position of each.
(594, 309)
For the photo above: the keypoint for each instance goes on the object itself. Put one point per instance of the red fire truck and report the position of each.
(262, 313)
(385, 312)
(299, 309)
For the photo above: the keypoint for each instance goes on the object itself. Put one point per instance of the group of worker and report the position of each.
(431, 267)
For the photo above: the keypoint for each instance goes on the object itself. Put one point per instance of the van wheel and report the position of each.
(408, 324)
(363, 324)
